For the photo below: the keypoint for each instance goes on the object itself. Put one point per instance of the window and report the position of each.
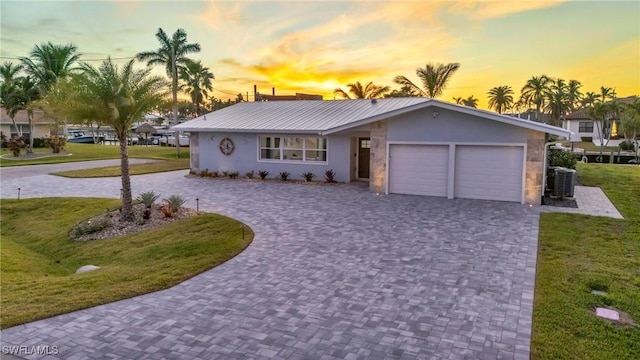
(293, 148)
(585, 127)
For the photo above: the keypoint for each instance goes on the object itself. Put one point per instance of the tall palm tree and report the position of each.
(573, 94)
(589, 99)
(22, 94)
(369, 91)
(197, 80)
(500, 98)
(434, 78)
(599, 113)
(49, 62)
(557, 101)
(606, 93)
(9, 72)
(470, 101)
(404, 91)
(9, 91)
(117, 97)
(533, 92)
(172, 53)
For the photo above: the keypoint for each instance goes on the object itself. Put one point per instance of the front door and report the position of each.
(364, 149)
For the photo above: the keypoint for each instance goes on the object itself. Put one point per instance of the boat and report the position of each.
(81, 137)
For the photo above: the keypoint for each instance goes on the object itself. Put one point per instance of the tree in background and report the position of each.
(9, 98)
(557, 101)
(588, 99)
(599, 114)
(369, 91)
(630, 123)
(172, 53)
(470, 101)
(117, 97)
(49, 62)
(434, 79)
(573, 94)
(500, 98)
(197, 82)
(404, 91)
(533, 93)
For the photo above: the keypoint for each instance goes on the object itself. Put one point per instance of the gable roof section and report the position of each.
(21, 117)
(328, 117)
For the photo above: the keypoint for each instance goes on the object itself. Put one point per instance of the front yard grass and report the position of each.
(134, 169)
(579, 253)
(39, 261)
(86, 152)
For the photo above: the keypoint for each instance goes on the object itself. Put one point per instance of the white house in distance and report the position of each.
(582, 125)
(41, 124)
(413, 146)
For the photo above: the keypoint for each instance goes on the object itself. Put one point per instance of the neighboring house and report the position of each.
(41, 124)
(297, 96)
(399, 145)
(582, 125)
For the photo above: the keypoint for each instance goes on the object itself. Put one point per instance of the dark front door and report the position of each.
(364, 149)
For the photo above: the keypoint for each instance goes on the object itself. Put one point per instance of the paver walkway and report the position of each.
(334, 272)
(591, 200)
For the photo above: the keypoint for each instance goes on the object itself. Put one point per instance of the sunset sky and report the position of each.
(314, 47)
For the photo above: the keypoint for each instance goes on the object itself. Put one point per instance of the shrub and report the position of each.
(204, 173)
(89, 227)
(263, 174)
(586, 138)
(214, 174)
(308, 176)
(16, 144)
(284, 176)
(3, 140)
(249, 175)
(627, 145)
(565, 159)
(225, 173)
(233, 175)
(148, 198)
(175, 202)
(330, 176)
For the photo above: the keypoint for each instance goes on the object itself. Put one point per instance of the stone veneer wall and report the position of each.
(194, 148)
(378, 157)
(535, 167)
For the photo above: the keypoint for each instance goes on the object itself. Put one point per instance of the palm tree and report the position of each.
(9, 91)
(589, 99)
(598, 113)
(606, 93)
(21, 94)
(369, 91)
(405, 91)
(117, 97)
(533, 92)
(9, 72)
(500, 98)
(434, 78)
(557, 101)
(197, 79)
(573, 94)
(172, 53)
(48, 62)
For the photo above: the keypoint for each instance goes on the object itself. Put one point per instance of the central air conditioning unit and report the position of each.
(564, 182)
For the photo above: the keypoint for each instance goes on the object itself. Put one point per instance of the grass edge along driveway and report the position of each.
(39, 261)
(579, 253)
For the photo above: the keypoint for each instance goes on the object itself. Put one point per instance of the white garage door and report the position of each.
(418, 169)
(489, 172)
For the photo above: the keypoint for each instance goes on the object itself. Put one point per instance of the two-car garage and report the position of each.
(472, 171)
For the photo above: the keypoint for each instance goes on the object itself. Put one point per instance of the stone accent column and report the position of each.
(194, 152)
(534, 167)
(378, 157)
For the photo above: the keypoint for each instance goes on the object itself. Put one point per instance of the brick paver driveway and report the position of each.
(333, 272)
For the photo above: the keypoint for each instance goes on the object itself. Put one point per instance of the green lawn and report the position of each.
(84, 152)
(589, 146)
(134, 169)
(39, 261)
(578, 253)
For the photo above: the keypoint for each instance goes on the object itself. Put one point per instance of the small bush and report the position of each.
(330, 176)
(204, 173)
(89, 227)
(214, 174)
(263, 174)
(148, 198)
(234, 175)
(627, 145)
(284, 176)
(308, 176)
(56, 144)
(16, 144)
(249, 175)
(225, 173)
(192, 172)
(565, 159)
(175, 202)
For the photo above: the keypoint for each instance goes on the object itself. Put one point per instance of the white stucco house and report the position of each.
(41, 124)
(413, 146)
(582, 125)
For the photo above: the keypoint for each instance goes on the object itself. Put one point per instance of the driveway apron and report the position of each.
(334, 272)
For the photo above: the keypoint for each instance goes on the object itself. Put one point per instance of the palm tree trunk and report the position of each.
(174, 88)
(30, 117)
(126, 212)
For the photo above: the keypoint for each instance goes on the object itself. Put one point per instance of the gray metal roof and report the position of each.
(294, 116)
(327, 117)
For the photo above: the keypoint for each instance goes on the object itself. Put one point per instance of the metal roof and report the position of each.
(326, 117)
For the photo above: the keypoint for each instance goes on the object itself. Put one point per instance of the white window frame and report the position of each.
(282, 148)
(585, 126)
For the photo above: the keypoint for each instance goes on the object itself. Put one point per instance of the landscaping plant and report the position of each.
(284, 176)
(330, 176)
(308, 176)
(249, 175)
(263, 174)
